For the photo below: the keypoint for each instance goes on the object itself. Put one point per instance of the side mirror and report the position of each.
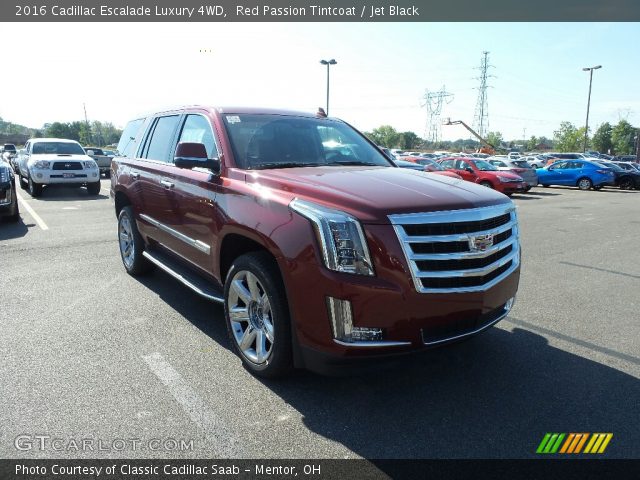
(90, 152)
(470, 170)
(194, 155)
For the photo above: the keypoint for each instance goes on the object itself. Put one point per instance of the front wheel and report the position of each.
(257, 315)
(93, 188)
(487, 184)
(35, 189)
(585, 183)
(131, 244)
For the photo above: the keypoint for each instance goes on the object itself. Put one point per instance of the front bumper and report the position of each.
(410, 321)
(50, 177)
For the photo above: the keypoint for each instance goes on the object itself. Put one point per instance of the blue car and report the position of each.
(576, 173)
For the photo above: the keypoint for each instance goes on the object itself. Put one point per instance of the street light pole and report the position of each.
(328, 63)
(586, 125)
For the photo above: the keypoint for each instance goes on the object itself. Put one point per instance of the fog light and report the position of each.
(39, 175)
(341, 318)
(509, 305)
(94, 175)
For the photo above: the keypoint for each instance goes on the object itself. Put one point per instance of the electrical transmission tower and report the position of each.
(434, 101)
(481, 116)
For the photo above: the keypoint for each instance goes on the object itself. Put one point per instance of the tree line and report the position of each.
(619, 139)
(93, 133)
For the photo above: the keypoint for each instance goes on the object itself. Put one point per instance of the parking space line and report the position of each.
(215, 429)
(31, 211)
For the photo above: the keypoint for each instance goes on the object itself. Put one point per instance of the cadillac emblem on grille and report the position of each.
(480, 243)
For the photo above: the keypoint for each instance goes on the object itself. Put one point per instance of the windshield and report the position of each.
(430, 165)
(278, 141)
(521, 164)
(57, 148)
(9, 148)
(485, 166)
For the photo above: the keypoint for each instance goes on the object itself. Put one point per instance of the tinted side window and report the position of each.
(129, 139)
(462, 165)
(160, 144)
(197, 130)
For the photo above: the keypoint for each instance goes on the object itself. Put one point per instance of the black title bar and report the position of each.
(320, 11)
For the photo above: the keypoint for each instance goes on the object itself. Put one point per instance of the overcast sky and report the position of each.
(122, 69)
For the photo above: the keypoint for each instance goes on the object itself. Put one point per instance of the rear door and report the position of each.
(157, 208)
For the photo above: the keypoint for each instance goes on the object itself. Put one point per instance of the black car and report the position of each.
(625, 179)
(8, 198)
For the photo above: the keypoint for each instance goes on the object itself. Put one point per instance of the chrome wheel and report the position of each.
(584, 184)
(127, 247)
(250, 317)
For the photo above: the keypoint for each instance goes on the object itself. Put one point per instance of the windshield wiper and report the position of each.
(355, 163)
(260, 166)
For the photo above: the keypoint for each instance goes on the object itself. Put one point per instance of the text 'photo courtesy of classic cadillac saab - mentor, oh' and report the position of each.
(325, 255)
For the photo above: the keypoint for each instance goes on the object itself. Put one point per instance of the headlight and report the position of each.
(42, 164)
(89, 164)
(344, 247)
(507, 179)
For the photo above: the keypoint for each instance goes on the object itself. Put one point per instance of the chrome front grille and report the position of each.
(459, 250)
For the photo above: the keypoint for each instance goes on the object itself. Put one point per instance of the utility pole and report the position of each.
(328, 63)
(86, 121)
(638, 146)
(481, 117)
(586, 124)
(434, 101)
(524, 138)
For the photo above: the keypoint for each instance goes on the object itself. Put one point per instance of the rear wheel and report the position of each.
(15, 214)
(22, 182)
(35, 189)
(585, 183)
(257, 315)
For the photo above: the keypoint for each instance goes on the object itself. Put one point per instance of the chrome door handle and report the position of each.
(166, 184)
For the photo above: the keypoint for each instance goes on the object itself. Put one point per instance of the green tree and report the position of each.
(385, 135)
(531, 144)
(568, 138)
(495, 139)
(622, 138)
(601, 140)
(409, 141)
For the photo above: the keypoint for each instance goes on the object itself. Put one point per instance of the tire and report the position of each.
(626, 183)
(23, 184)
(254, 293)
(35, 189)
(15, 216)
(584, 183)
(107, 174)
(93, 188)
(545, 186)
(528, 188)
(131, 244)
(598, 187)
(486, 183)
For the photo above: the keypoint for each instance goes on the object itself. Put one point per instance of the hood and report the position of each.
(372, 193)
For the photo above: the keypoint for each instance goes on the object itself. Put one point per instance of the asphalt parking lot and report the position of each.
(88, 352)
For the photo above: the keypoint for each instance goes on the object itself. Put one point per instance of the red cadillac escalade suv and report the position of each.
(324, 254)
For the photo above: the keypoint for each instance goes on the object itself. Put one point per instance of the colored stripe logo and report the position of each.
(574, 443)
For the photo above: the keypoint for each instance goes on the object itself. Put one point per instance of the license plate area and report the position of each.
(68, 175)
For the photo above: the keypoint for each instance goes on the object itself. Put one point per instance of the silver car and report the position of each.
(517, 166)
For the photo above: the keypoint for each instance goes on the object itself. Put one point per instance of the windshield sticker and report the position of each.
(233, 119)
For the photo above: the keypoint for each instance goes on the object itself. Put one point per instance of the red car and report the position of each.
(481, 172)
(323, 255)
